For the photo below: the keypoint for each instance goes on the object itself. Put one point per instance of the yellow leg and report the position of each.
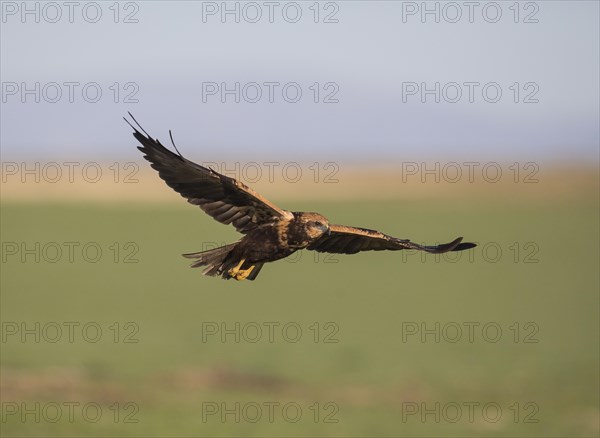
(234, 271)
(243, 274)
(240, 274)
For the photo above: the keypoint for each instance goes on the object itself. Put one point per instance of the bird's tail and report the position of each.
(218, 262)
(213, 259)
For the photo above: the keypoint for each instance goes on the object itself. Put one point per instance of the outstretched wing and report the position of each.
(350, 240)
(225, 199)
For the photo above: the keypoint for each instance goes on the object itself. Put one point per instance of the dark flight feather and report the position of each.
(225, 199)
(350, 240)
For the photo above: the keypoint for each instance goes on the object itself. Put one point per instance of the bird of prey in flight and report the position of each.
(269, 233)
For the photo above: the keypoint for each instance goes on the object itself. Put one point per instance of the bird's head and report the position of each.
(314, 224)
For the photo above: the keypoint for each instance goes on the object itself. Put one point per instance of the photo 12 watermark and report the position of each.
(485, 252)
(469, 412)
(453, 12)
(69, 252)
(469, 92)
(70, 92)
(71, 172)
(296, 257)
(277, 171)
(270, 92)
(71, 332)
(325, 12)
(269, 412)
(452, 332)
(51, 12)
(68, 412)
(471, 172)
(252, 332)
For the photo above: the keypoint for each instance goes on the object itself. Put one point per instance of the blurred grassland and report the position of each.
(368, 374)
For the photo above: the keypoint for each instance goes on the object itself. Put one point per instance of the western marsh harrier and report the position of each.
(269, 232)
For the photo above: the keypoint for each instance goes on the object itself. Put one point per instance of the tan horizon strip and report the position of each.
(350, 182)
(189, 387)
(185, 383)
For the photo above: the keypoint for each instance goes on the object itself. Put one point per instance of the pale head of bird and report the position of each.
(314, 224)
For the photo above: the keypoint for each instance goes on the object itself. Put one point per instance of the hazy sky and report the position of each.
(380, 65)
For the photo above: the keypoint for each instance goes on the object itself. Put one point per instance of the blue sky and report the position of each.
(170, 65)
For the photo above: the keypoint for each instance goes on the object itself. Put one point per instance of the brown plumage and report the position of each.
(270, 233)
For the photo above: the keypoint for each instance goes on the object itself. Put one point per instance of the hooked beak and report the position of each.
(328, 231)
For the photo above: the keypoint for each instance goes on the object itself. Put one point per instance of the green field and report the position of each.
(355, 369)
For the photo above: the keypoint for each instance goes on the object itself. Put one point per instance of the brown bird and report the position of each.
(270, 233)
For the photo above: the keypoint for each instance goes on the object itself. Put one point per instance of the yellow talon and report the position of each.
(234, 271)
(243, 274)
(238, 273)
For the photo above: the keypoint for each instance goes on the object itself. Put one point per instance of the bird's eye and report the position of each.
(318, 224)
